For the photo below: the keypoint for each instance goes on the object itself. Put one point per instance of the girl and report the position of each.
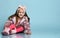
(17, 23)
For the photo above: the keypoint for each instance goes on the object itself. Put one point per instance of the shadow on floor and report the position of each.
(20, 35)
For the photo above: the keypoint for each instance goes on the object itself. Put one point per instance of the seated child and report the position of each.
(17, 23)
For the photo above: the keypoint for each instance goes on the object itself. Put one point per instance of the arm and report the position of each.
(27, 26)
(8, 23)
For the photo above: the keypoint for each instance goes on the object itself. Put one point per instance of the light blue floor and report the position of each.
(34, 35)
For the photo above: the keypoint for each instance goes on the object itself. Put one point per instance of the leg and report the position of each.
(8, 30)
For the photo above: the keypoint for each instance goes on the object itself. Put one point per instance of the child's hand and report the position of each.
(28, 32)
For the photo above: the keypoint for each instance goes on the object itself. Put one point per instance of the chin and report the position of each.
(21, 16)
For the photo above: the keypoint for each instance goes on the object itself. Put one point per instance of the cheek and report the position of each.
(19, 14)
(23, 14)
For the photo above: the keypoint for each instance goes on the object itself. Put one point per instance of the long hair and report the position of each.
(16, 15)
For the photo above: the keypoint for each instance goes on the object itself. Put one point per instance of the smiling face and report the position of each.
(21, 12)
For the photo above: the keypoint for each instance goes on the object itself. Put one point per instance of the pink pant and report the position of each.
(18, 29)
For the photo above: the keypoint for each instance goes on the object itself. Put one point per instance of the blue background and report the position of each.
(44, 14)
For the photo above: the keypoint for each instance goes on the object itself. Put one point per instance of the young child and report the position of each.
(17, 23)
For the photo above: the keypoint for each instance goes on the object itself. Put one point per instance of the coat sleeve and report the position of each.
(8, 23)
(27, 25)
